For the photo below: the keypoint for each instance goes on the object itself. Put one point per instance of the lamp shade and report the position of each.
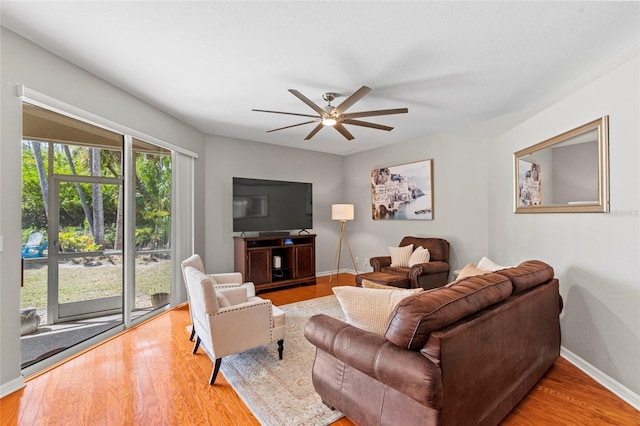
(342, 211)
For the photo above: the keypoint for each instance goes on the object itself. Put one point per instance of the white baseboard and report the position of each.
(11, 387)
(617, 388)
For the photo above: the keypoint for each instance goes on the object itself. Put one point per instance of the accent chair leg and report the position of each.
(193, 333)
(214, 373)
(196, 346)
(280, 347)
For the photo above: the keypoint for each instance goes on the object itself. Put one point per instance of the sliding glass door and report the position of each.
(97, 208)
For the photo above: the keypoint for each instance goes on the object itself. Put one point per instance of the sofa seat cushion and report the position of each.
(396, 270)
(527, 275)
(414, 318)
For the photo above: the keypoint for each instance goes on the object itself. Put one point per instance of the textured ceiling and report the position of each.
(209, 63)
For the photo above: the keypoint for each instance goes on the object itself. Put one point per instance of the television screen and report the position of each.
(271, 205)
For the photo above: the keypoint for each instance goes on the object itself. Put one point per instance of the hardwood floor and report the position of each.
(148, 376)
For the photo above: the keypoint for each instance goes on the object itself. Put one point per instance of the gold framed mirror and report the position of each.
(568, 173)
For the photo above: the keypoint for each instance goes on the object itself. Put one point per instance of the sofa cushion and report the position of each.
(400, 255)
(369, 308)
(527, 275)
(419, 255)
(416, 317)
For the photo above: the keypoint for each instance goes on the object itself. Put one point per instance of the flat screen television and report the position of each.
(271, 205)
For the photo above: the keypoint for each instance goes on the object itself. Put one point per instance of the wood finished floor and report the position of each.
(148, 376)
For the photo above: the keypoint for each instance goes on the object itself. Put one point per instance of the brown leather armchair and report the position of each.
(433, 274)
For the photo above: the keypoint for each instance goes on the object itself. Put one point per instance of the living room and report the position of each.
(594, 255)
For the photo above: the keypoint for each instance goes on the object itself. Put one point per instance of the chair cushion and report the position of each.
(419, 255)
(416, 317)
(400, 256)
(369, 308)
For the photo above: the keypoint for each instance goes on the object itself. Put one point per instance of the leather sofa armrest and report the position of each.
(406, 371)
(378, 262)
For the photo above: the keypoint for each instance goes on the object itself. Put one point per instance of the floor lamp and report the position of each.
(343, 213)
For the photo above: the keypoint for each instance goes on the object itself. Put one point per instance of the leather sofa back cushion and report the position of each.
(438, 247)
(415, 317)
(527, 275)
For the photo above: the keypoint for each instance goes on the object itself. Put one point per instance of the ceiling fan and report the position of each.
(335, 116)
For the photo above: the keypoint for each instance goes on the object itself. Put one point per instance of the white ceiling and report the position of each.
(208, 63)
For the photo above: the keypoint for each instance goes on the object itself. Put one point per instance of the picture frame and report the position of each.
(403, 192)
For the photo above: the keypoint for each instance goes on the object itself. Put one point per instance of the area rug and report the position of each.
(280, 392)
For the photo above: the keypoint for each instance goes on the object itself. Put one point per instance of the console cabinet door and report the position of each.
(258, 267)
(305, 261)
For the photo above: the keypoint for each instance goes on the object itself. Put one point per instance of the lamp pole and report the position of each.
(342, 212)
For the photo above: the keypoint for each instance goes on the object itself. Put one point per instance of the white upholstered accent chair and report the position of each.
(220, 281)
(226, 321)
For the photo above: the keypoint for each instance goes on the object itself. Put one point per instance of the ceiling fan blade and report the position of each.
(293, 125)
(307, 101)
(343, 131)
(314, 131)
(287, 113)
(355, 97)
(376, 112)
(367, 124)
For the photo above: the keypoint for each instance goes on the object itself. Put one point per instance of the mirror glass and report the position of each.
(567, 173)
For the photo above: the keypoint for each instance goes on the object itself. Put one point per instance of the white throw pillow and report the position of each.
(223, 302)
(400, 256)
(468, 271)
(420, 255)
(369, 308)
(487, 264)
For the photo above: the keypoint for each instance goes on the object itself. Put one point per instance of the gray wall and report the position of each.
(595, 256)
(227, 158)
(460, 193)
(24, 63)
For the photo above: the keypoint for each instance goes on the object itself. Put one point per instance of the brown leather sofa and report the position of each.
(433, 274)
(464, 354)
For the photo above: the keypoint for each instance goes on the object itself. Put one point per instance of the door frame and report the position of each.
(60, 312)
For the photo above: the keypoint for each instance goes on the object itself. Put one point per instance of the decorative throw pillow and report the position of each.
(400, 256)
(223, 302)
(487, 264)
(420, 255)
(369, 308)
(371, 284)
(470, 271)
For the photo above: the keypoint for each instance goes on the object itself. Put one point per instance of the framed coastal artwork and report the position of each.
(403, 192)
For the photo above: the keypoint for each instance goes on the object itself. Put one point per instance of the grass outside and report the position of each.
(103, 279)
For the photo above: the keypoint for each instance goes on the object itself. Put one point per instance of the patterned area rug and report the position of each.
(280, 393)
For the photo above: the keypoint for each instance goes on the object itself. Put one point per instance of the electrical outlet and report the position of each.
(357, 260)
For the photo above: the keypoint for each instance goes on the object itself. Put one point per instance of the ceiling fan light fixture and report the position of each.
(329, 121)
